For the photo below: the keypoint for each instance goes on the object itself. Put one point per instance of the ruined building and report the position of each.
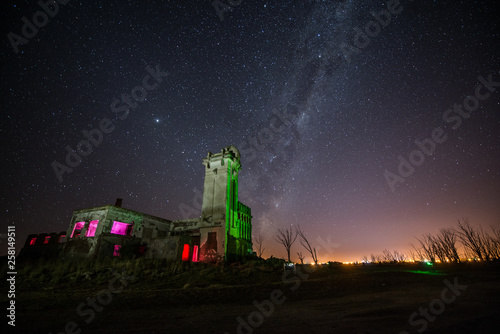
(224, 230)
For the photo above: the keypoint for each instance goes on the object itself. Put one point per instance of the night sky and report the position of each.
(319, 110)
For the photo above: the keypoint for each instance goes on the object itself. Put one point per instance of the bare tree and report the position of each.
(447, 238)
(412, 255)
(286, 237)
(473, 240)
(495, 243)
(376, 258)
(417, 255)
(428, 248)
(364, 258)
(441, 246)
(259, 241)
(491, 243)
(438, 248)
(398, 257)
(304, 242)
(301, 257)
(393, 256)
(387, 255)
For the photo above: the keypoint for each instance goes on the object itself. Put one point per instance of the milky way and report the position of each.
(323, 99)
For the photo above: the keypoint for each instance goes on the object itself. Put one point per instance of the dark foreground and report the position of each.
(329, 299)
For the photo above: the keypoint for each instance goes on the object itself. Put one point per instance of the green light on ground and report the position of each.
(425, 272)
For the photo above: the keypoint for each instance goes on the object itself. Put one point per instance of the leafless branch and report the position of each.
(473, 240)
(304, 242)
(259, 242)
(301, 257)
(286, 237)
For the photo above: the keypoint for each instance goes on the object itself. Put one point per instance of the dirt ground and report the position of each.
(329, 299)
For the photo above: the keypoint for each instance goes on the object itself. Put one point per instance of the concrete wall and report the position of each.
(164, 248)
(106, 215)
(43, 247)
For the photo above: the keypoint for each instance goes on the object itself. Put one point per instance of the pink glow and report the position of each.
(185, 253)
(32, 241)
(92, 228)
(116, 250)
(61, 237)
(77, 228)
(195, 253)
(47, 239)
(121, 228)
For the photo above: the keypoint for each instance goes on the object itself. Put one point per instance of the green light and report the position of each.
(424, 272)
(429, 263)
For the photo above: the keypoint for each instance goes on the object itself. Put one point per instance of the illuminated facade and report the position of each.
(230, 219)
(224, 230)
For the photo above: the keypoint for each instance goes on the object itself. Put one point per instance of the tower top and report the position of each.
(227, 153)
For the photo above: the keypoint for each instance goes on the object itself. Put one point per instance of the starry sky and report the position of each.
(321, 97)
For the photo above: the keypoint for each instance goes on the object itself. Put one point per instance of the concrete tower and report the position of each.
(231, 220)
(220, 191)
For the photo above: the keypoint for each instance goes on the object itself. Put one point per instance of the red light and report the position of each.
(195, 253)
(32, 241)
(46, 241)
(116, 250)
(185, 253)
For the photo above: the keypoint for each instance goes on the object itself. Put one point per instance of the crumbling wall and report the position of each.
(87, 215)
(212, 244)
(42, 247)
(154, 228)
(80, 247)
(124, 216)
(163, 248)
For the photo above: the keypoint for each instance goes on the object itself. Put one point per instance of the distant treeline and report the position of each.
(453, 244)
